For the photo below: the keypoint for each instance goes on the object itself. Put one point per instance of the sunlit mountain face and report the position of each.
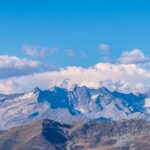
(81, 104)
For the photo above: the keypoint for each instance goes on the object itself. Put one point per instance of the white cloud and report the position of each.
(37, 51)
(104, 48)
(122, 77)
(15, 66)
(16, 62)
(134, 56)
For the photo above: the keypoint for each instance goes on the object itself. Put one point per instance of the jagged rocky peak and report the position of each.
(75, 86)
(53, 88)
(80, 88)
(65, 84)
(56, 88)
(36, 90)
(104, 90)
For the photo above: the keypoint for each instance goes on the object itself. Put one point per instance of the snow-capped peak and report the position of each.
(80, 102)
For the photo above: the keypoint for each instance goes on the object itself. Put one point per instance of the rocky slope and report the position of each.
(93, 135)
(66, 106)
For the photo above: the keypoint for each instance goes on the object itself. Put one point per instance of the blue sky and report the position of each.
(74, 24)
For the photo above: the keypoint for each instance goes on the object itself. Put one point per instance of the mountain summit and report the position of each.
(79, 104)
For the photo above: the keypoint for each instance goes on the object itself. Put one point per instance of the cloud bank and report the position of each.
(122, 77)
(14, 66)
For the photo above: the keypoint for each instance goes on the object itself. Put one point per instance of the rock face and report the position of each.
(66, 106)
(93, 135)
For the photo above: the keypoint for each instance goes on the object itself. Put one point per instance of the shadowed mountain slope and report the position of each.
(93, 135)
(78, 105)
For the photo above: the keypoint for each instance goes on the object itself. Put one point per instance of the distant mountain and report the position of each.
(93, 135)
(78, 104)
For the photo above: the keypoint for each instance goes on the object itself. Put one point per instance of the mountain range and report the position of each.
(77, 105)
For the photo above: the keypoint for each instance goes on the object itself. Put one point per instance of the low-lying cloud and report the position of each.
(122, 77)
(11, 66)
